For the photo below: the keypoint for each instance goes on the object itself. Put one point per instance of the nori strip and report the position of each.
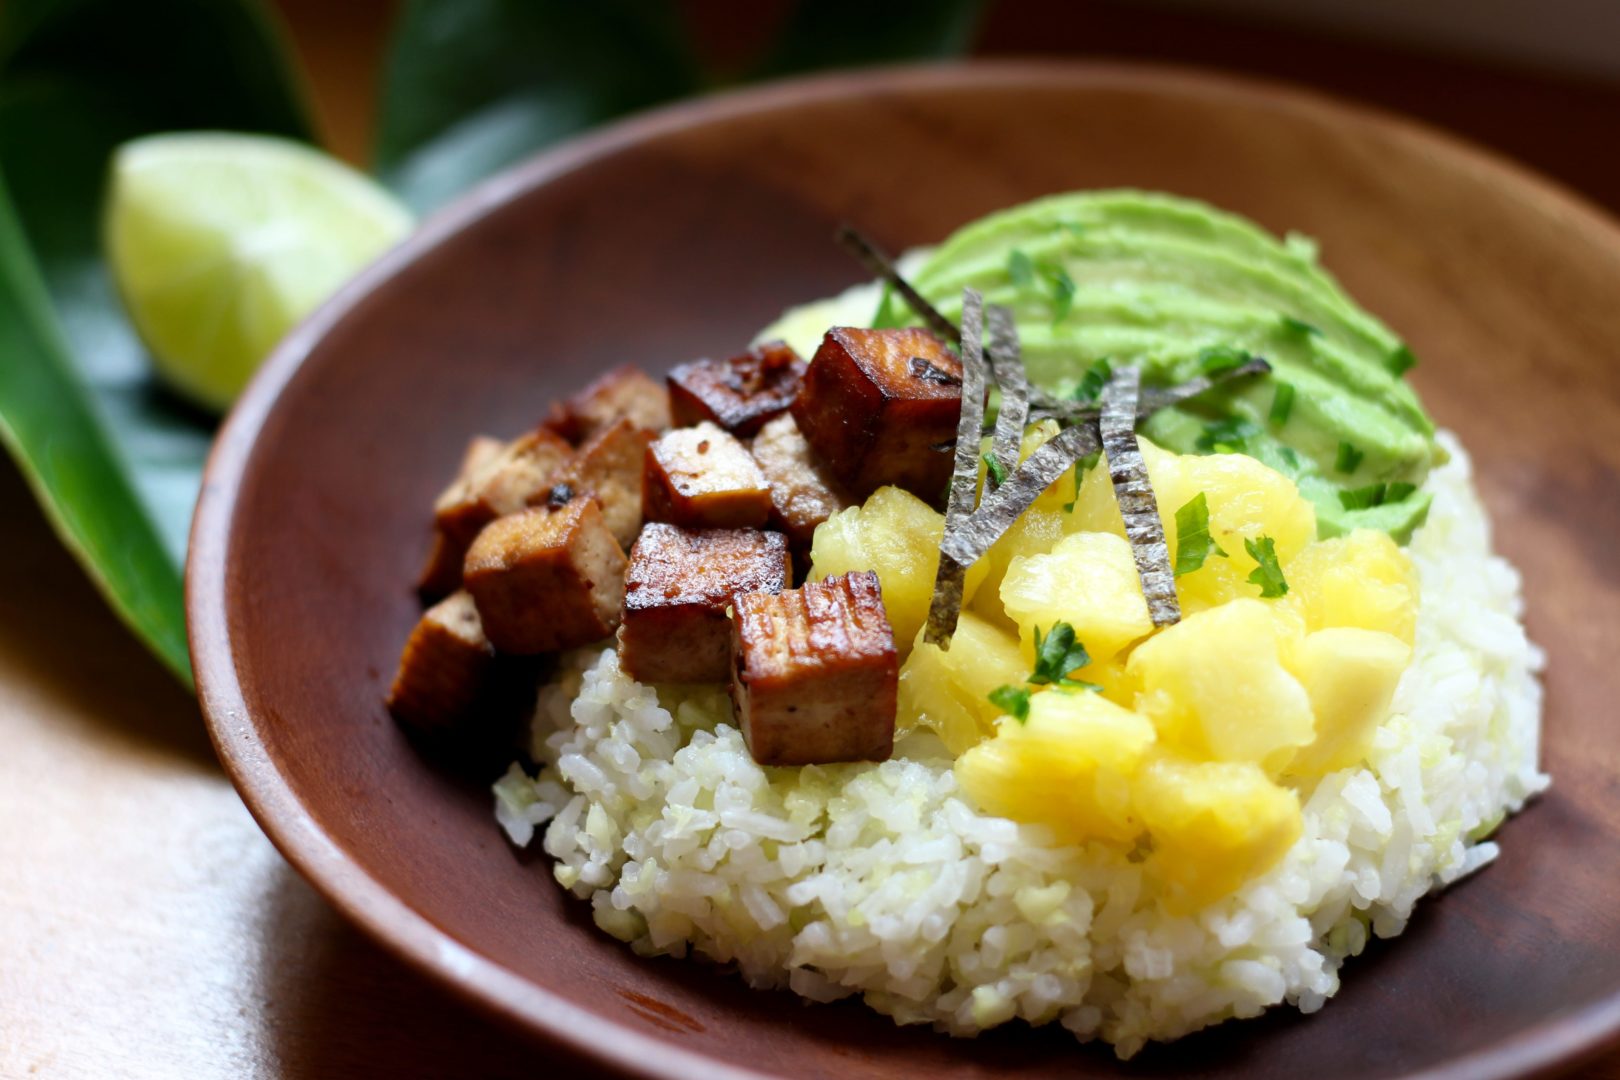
(1135, 494)
(880, 264)
(1151, 399)
(967, 542)
(946, 606)
(1008, 366)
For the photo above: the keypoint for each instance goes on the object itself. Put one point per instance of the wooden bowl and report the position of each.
(684, 231)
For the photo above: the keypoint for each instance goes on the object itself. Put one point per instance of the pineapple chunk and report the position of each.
(1214, 826)
(949, 691)
(1246, 498)
(1215, 686)
(1034, 533)
(1068, 766)
(1350, 676)
(1361, 580)
(1088, 580)
(897, 535)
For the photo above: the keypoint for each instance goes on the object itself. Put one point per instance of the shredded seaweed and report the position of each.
(946, 606)
(1152, 398)
(967, 541)
(1137, 504)
(1007, 366)
(880, 264)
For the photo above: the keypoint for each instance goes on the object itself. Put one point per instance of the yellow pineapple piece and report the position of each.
(1088, 580)
(1035, 532)
(1069, 766)
(1097, 510)
(1361, 580)
(1247, 500)
(897, 535)
(1213, 826)
(1215, 687)
(1350, 675)
(949, 691)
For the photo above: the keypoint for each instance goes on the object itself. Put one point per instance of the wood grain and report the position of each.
(147, 928)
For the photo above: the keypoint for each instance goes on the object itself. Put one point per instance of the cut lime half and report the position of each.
(221, 243)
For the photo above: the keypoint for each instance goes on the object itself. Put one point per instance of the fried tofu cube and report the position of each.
(814, 675)
(626, 392)
(520, 475)
(445, 669)
(609, 467)
(547, 578)
(703, 477)
(740, 393)
(681, 582)
(880, 407)
(442, 574)
(804, 493)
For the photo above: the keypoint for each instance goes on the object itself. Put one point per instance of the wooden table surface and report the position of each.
(147, 928)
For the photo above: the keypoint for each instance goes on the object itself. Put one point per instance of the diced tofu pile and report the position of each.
(784, 537)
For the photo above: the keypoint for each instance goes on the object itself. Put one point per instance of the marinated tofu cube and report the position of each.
(741, 393)
(702, 477)
(626, 392)
(445, 669)
(814, 672)
(609, 467)
(547, 578)
(681, 582)
(442, 574)
(880, 407)
(804, 493)
(517, 477)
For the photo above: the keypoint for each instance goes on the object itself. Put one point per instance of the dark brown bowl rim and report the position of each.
(1550, 1048)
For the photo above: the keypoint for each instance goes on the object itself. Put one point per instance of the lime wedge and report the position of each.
(221, 243)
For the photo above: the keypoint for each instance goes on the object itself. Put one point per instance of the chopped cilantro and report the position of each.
(1057, 654)
(1300, 327)
(1289, 457)
(1219, 359)
(1267, 573)
(1282, 403)
(1092, 382)
(1397, 492)
(1227, 436)
(1020, 268)
(1349, 459)
(1193, 542)
(1012, 700)
(1062, 292)
(1364, 498)
(997, 471)
(1400, 360)
(1068, 507)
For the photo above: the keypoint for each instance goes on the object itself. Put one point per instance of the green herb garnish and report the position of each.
(998, 471)
(1228, 436)
(1397, 492)
(1012, 700)
(1282, 403)
(1349, 459)
(1267, 572)
(1057, 654)
(1062, 292)
(1364, 498)
(1093, 381)
(1193, 542)
(1020, 268)
(1400, 360)
(1290, 458)
(1218, 359)
(1300, 327)
(1068, 507)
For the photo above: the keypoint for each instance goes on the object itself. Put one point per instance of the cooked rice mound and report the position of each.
(882, 880)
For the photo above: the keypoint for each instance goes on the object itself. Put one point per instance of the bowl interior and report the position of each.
(681, 235)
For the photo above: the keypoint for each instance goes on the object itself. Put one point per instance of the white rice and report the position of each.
(882, 880)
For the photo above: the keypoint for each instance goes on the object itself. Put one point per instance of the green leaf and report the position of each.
(1057, 654)
(1079, 475)
(1194, 544)
(1400, 360)
(471, 86)
(1219, 359)
(1364, 498)
(1092, 382)
(1227, 436)
(1020, 268)
(997, 471)
(1349, 458)
(1012, 700)
(853, 33)
(113, 458)
(1299, 327)
(1063, 290)
(1282, 403)
(1268, 572)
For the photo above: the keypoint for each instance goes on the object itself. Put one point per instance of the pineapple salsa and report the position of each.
(1197, 736)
